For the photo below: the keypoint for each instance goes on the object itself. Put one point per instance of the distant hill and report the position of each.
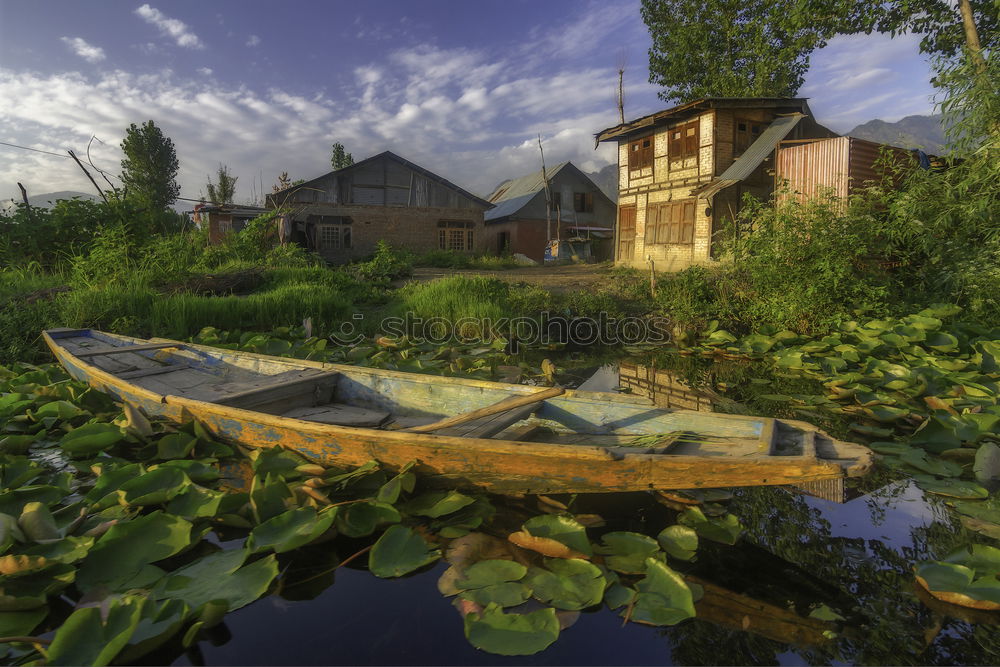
(607, 180)
(46, 200)
(924, 132)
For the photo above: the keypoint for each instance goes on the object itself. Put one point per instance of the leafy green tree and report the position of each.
(149, 170)
(223, 191)
(339, 158)
(938, 22)
(734, 48)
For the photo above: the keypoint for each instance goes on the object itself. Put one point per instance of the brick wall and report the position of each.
(661, 387)
(415, 229)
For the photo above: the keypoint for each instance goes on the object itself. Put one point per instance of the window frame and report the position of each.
(744, 139)
(583, 202)
(671, 223)
(451, 230)
(684, 140)
(640, 152)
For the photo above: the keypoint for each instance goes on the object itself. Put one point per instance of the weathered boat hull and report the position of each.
(491, 464)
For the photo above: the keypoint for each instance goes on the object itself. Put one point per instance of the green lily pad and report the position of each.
(490, 572)
(127, 549)
(222, 575)
(291, 530)
(954, 488)
(437, 504)
(627, 552)
(987, 463)
(59, 410)
(982, 558)
(399, 551)
(37, 523)
(493, 631)
(663, 597)
(725, 529)
(90, 439)
(66, 550)
(196, 502)
(918, 459)
(567, 583)
(158, 623)
(103, 494)
(154, 487)
(679, 541)
(95, 635)
(507, 594)
(175, 446)
(361, 519)
(563, 529)
(403, 481)
(825, 613)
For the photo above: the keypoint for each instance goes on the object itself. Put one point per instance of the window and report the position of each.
(747, 132)
(672, 222)
(626, 232)
(455, 235)
(583, 202)
(556, 200)
(684, 141)
(332, 232)
(640, 153)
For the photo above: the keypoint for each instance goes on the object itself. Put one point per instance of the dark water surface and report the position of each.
(798, 553)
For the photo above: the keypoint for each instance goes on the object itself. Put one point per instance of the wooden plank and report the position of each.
(487, 427)
(340, 415)
(767, 436)
(123, 349)
(808, 444)
(279, 391)
(143, 372)
(502, 406)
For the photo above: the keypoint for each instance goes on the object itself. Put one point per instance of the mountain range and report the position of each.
(923, 132)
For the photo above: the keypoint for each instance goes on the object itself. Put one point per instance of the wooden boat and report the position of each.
(498, 437)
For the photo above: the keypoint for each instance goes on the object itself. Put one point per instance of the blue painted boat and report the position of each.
(469, 433)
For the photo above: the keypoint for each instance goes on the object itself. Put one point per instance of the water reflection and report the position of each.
(800, 556)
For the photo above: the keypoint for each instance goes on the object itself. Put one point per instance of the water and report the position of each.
(799, 552)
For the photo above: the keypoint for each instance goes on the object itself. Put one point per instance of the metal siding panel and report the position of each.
(363, 195)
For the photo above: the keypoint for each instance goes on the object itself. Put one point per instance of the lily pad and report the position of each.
(491, 572)
(954, 488)
(437, 504)
(361, 519)
(291, 530)
(725, 529)
(627, 552)
(554, 535)
(507, 594)
(987, 464)
(956, 584)
(222, 575)
(154, 487)
(494, 631)
(90, 439)
(679, 541)
(571, 584)
(95, 635)
(663, 597)
(399, 551)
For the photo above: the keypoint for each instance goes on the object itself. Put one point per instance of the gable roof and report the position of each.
(403, 161)
(792, 104)
(514, 194)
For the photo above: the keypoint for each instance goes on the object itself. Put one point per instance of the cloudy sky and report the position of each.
(461, 88)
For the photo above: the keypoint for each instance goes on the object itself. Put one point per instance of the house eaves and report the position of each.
(752, 157)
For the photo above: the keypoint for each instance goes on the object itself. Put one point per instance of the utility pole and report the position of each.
(548, 195)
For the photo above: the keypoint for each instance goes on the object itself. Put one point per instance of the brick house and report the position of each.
(684, 171)
(343, 214)
(224, 219)
(522, 223)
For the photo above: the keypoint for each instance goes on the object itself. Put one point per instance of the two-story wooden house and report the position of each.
(342, 215)
(684, 171)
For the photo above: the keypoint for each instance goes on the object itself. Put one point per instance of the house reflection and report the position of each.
(662, 387)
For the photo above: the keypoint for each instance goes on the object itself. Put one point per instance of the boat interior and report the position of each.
(425, 404)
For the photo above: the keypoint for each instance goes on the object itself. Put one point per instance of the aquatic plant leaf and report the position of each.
(94, 636)
(103, 494)
(436, 504)
(277, 461)
(506, 594)
(490, 572)
(361, 519)
(154, 487)
(16, 565)
(824, 613)
(493, 631)
(36, 522)
(403, 481)
(570, 584)
(954, 488)
(919, 460)
(679, 541)
(291, 530)
(955, 584)
(725, 529)
(560, 528)
(663, 597)
(196, 502)
(21, 623)
(60, 410)
(158, 623)
(618, 595)
(941, 341)
(13, 501)
(127, 548)
(90, 439)
(219, 576)
(175, 446)
(199, 471)
(982, 558)
(987, 463)
(627, 552)
(399, 551)
(67, 550)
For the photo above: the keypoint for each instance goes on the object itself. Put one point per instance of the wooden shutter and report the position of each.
(691, 139)
(588, 202)
(676, 143)
(687, 222)
(626, 232)
(652, 220)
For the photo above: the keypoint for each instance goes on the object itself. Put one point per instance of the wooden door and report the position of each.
(626, 233)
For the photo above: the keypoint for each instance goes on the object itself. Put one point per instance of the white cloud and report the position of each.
(253, 40)
(205, 71)
(174, 28)
(89, 52)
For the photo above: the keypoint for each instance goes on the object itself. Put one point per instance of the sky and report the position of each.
(461, 88)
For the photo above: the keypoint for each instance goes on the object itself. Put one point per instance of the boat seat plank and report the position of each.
(340, 415)
(312, 386)
(123, 349)
(532, 400)
(487, 427)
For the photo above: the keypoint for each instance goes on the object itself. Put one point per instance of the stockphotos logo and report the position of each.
(542, 330)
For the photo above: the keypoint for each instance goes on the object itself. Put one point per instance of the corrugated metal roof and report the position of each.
(752, 157)
(506, 207)
(511, 195)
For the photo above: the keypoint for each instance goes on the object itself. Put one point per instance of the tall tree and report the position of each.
(339, 158)
(732, 48)
(945, 29)
(223, 191)
(149, 170)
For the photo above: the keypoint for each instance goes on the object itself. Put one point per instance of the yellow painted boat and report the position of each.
(468, 433)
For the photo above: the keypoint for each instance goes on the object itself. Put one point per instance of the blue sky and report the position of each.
(462, 88)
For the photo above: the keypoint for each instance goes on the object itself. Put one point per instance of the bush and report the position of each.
(387, 264)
